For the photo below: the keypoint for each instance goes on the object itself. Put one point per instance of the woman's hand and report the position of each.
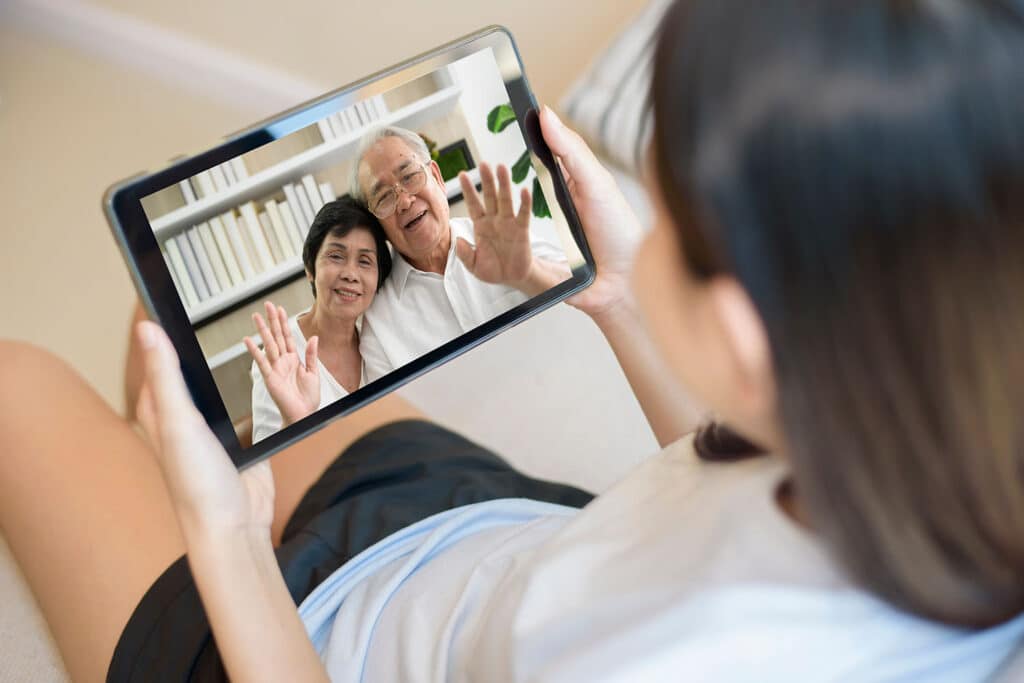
(225, 518)
(613, 231)
(294, 385)
(210, 497)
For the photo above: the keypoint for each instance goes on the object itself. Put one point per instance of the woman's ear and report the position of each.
(311, 280)
(746, 344)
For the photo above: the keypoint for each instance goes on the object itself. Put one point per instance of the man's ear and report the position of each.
(746, 342)
(435, 171)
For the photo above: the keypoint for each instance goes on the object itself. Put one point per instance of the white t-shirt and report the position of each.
(266, 418)
(416, 312)
(685, 570)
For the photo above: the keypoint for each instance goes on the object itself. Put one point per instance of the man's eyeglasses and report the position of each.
(412, 180)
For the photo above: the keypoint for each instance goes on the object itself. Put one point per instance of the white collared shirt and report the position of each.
(415, 311)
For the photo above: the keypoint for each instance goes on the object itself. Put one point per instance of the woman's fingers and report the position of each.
(269, 345)
(577, 158)
(311, 350)
(261, 358)
(167, 397)
(289, 339)
(274, 320)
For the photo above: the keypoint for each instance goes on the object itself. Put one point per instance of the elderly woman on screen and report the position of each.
(313, 360)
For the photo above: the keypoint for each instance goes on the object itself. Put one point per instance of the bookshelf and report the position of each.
(315, 159)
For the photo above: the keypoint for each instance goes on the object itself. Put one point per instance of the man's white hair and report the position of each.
(413, 140)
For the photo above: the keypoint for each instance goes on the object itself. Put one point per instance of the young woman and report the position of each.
(834, 273)
(314, 359)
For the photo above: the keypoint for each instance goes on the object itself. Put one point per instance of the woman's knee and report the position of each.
(29, 371)
(24, 360)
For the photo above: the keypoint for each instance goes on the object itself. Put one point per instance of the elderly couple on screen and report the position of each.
(446, 276)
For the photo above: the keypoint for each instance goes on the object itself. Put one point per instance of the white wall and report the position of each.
(483, 90)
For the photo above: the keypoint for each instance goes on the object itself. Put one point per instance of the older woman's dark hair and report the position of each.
(859, 168)
(338, 218)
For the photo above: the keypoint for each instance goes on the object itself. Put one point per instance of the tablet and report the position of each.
(282, 212)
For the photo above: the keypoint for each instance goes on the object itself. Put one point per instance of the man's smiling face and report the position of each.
(419, 226)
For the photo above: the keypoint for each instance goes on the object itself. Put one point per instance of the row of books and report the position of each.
(233, 249)
(215, 180)
(353, 119)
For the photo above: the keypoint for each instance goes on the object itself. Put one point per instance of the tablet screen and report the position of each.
(350, 216)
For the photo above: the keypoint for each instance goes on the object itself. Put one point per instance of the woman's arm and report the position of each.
(614, 234)
(225, 519)
(670, 412)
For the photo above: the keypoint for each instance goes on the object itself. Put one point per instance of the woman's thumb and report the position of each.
(577, 158)
(164, 381)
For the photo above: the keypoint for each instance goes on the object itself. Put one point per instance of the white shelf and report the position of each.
(282, 270)
(314, 159)
(232, 296)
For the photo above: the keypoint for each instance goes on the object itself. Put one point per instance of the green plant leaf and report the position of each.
(540, 205)
(521, 168)
(500, 118)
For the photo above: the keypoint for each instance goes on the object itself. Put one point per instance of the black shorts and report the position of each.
(390, 478)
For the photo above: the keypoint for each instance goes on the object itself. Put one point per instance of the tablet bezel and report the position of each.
(139, 246)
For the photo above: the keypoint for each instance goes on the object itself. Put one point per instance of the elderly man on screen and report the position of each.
(449, 274)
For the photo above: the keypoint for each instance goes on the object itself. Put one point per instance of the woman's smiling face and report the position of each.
(346, 273)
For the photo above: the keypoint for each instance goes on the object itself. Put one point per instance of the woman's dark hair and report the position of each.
(858, 166)
(339, 218)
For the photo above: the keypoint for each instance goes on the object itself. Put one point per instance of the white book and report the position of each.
(206, 186)
(170, 268)
(182, 281)
(292, 226)
(186, 192)
(261, 250)
(371, 108)
(336, 126)
(360, 111)
(268, 232)
(220, 271)
(229, 173)
(324, 126)
(327, 192)
(194, 184)
(293, 201)
(238, 164)
(205, 267)
(305, 207)
(220, 235)
(382, 105)
(280, 230)
(238, 244)
(352, 119)
(313, 192)
(220, 181)
(192, 267)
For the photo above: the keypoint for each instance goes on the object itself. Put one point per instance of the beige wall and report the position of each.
(72, 123)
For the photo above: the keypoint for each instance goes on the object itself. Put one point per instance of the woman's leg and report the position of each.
(296, 468)
(83, 505)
